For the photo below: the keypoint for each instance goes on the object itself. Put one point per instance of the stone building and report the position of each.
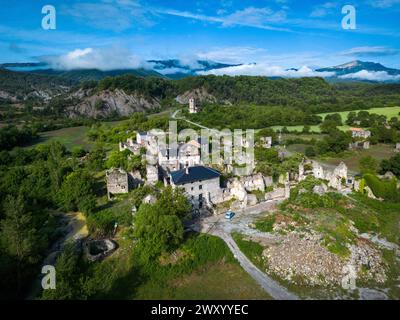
(201, 185)
(152, 174)
(117, 182)
(168, 159)
(336, 178)
(130, 145)
(266, 142)
(193, 105)
(189, 154)
(141, 138)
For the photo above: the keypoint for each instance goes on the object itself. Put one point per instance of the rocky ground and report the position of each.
(302, 259)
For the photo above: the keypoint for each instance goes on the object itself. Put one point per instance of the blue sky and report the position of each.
(125, 33)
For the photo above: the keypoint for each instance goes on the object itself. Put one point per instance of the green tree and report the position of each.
(368, 165)
(310, 151)
(18, 236)
(392, 165)
(77, 192)
(68, 285)
(159, 227)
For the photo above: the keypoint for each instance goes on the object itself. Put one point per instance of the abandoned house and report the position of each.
(117, 182)
(266, 142)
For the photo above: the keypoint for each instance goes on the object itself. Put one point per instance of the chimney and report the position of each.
(187, 169)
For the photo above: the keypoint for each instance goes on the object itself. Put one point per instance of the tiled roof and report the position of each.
(198, 173)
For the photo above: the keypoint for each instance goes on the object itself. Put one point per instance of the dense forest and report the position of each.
(313, 95)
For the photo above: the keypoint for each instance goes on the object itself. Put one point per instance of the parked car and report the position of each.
(229, 215)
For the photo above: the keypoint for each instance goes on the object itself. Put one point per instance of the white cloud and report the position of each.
(370, 51)
(261, 69)
(383, 3)
(115, 15)
(260, 18)
(233, 55)
(168, 71)
(371, 76)
(254, 17)
(102, 59)
(323, 10)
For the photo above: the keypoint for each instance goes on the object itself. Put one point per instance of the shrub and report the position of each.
(266, 224)
(101, 223)
(383, 189)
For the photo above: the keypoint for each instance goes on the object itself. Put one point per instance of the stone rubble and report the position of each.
(300, 257)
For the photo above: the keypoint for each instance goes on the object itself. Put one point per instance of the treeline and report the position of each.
(21, 84)
(313, 95)
(35, 185)
(11, 136)
(252, 116)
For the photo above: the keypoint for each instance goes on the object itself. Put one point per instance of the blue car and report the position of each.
(229, 215)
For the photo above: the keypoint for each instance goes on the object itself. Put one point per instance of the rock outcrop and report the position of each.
(201, 95)
(104, 103)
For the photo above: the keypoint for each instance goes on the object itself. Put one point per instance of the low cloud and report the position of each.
(168, 71)
(267, 71)
(371, 76)
(91, 58)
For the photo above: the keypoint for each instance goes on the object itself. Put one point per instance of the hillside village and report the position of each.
(184, 168)
(319, 196)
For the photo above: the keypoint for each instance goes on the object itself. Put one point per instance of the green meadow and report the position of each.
(389, 112)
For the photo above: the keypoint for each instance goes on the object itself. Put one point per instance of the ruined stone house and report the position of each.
(117, 182)
(266, 142)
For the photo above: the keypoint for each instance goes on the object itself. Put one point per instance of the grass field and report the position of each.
(71, 137)
(208, 271)
(313, 128)
(218, 281)
(389, 112)
(352, 158)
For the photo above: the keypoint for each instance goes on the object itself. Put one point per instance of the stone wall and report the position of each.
(117, 181)
(207, 192)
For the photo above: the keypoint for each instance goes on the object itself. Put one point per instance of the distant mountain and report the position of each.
(22, 65)
(172, 69)
(176, 69)
(95, 74)
(356, 66)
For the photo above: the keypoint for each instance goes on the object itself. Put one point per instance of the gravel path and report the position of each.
(221, 227)
(273, 288)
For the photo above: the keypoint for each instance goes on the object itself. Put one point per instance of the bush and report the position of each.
(266, 224)
(101, 224)
(383, 189)
(310, 152)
